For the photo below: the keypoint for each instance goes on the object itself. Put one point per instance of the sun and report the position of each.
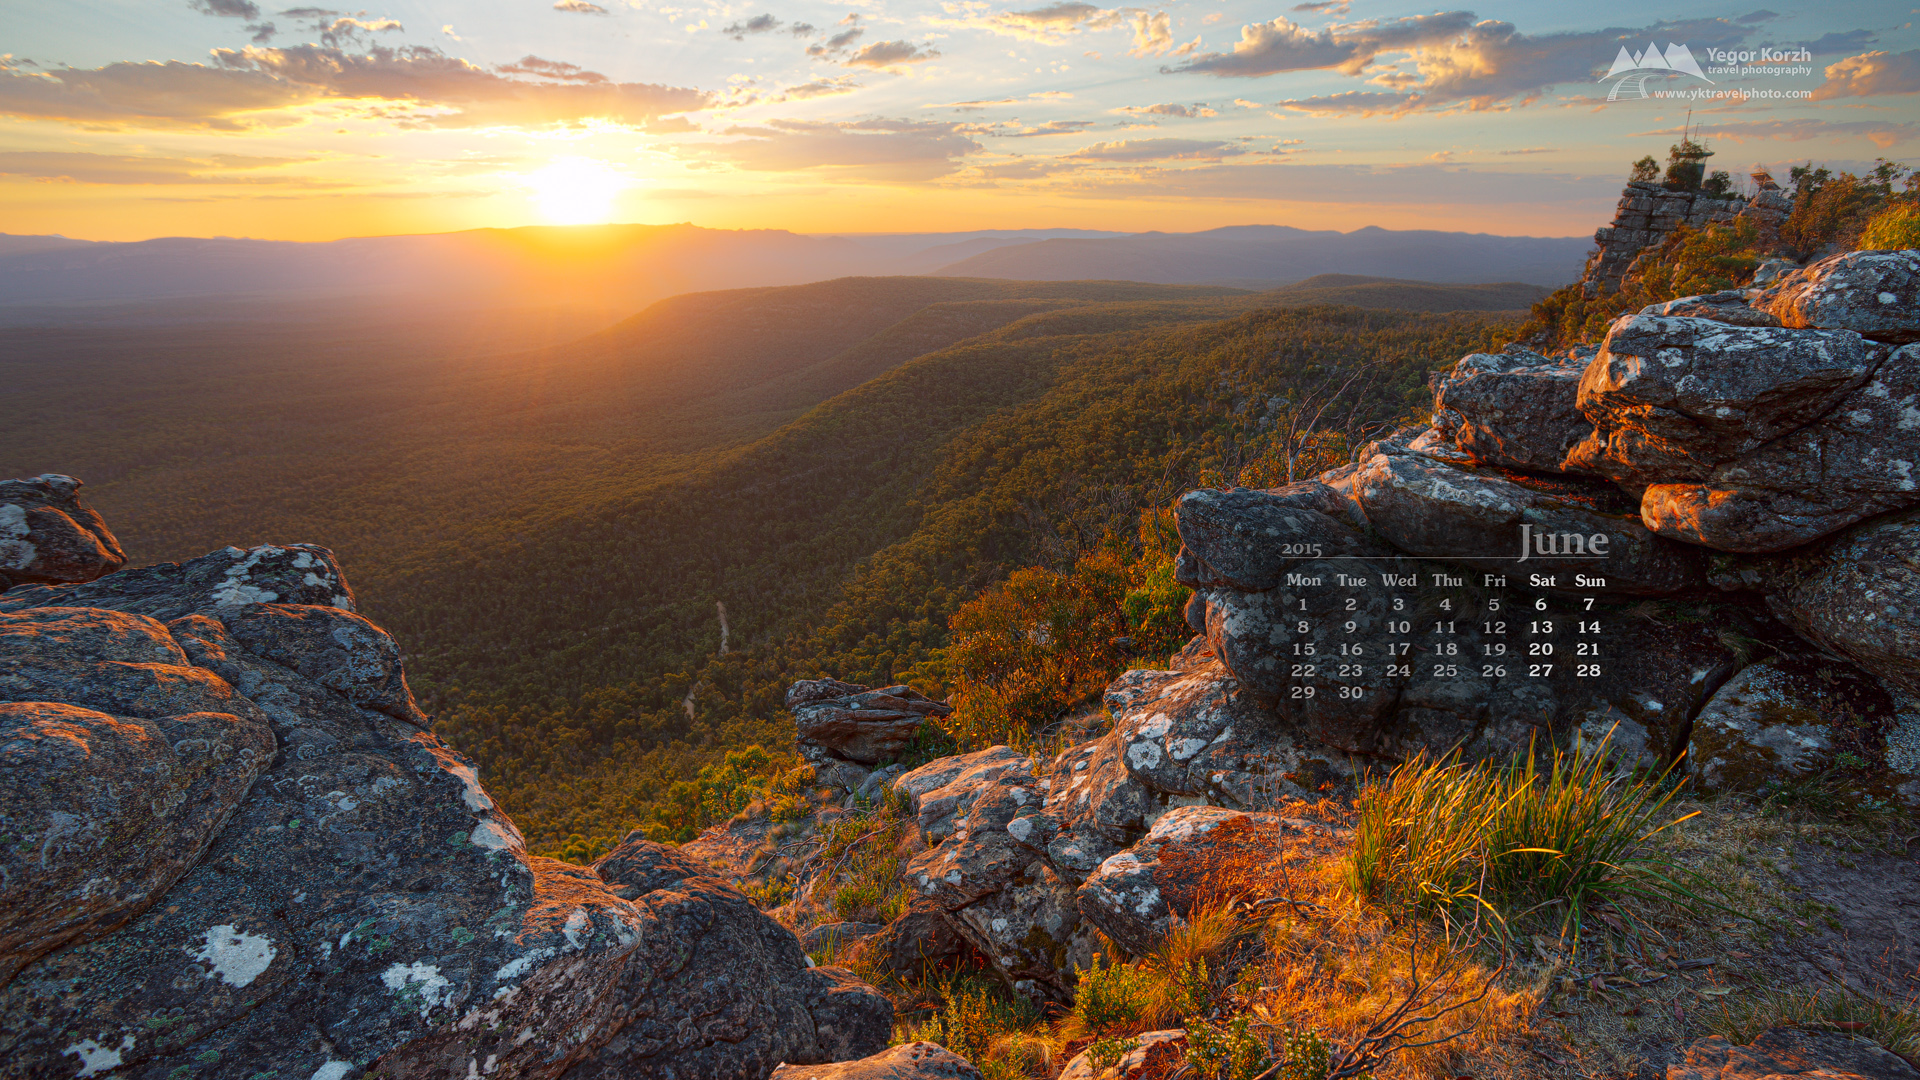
(576, 191)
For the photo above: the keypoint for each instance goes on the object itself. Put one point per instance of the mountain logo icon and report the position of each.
(1637, 68)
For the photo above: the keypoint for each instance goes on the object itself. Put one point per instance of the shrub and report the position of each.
(1112, 1000)
(1231, 1051)
(1452, 838)
(1893, 228)
(972, 1016)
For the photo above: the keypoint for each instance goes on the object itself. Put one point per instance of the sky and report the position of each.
(130, 119)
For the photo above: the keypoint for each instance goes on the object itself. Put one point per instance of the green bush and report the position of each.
(1894, 228)
(1232, 1052)
(1112, 1000)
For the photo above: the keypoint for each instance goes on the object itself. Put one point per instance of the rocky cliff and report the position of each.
(1745, 461)
(234, 849)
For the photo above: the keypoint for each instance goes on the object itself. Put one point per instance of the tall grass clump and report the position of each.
(1561, 832)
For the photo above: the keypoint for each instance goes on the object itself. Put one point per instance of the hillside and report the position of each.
(841, 464)
(1395, 294)
(1278, 254)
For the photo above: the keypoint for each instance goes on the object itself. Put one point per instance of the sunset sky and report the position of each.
(128, 119)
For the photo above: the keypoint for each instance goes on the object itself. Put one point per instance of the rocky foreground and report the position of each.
(234, 848)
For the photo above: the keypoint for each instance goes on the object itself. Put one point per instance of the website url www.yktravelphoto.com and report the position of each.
(1701, 93)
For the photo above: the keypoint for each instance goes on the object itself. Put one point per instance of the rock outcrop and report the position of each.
(909, 1061)
(1649, 213)
(236, 849)
(1873, 293)
(47, 535)
(1516, 409)
(840, 723)
(1784, 1053)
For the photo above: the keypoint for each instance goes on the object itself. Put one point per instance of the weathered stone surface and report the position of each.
(1856, 594)
(1516, 409)
(48, 536)
(1860, 459)
(939, 791)
(1783, 1053)
(1154, 1053)
(1874, 293)
(1673, 398)
(919, 941)
(222, 581)
(365, 905)
(848, 722)
(718, 989)
(1728, 306)
(1428, 508)
(837, 936)
(1763, 726)
(908, 1061)
(103, 814)
(1135, 895)
(1248, 538)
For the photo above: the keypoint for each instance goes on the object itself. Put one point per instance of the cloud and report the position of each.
(85, 168)
(1488, 65)
(227, 9)
(1326, 7)
(844, 84)
(890, 54)
(1283, 45)
(1755, 17)
(883, 150)
(151, 94)
(1527, 150)
(1051, 127)
(551, 69)
(579, 7)
(802, 29)
(245, 87)
(1882, 133)
(1135, 150)
(759, 24)
(1050, 25)
(838, 43)
(1871, 74)
(1185, 112)
(1842, 42)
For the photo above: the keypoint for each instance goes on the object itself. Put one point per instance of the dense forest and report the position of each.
(553, 533)
(581, 662)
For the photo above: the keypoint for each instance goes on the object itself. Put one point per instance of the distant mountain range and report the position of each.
(619, 268)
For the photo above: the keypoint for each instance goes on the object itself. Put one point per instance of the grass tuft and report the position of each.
(1510, 840)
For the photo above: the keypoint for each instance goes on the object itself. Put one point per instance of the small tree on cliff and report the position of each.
(1686, 165)
(1645, 171)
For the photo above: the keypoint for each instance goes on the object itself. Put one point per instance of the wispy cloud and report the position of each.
(1283, 45)
(1158, 150)
(88, 168)
(866, 150)
(1882, 133)
(891, 55)
(1183, 112)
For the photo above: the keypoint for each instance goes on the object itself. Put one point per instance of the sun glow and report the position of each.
(576, 191)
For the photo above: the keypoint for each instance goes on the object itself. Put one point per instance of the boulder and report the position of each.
(1135, 896)
(1764, 726)
(1673, 398)
(1856, 595)
(1727, 306)
(1249, 539)
(717, 988)
(1153, 1054)
(105, 813)
(922, 940)
(940, 790)
(1783, 1053)
(832, 937)
(225, 580)
(252, 857)
(908, 1061)
(1516, 410)
(48, 536)
(1858, 460)
(839, 721)
(1873, 293)
(1428, 508)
